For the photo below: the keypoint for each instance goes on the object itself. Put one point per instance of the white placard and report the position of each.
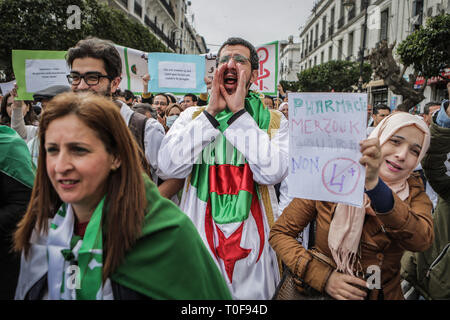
(43, 73)
(324, 134)
(177, 75)
(7, 86)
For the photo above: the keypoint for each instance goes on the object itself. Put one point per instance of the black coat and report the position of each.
(14, 198)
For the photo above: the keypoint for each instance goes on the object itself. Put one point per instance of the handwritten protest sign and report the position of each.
(170, 72)
(37, 70)
(324, 134)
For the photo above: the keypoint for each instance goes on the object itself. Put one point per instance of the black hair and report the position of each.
(268, 97)
(127, 94)
(193, 96)
(171, 97)
(234, 41)
(30, 118)
(92, 47)
(380, 106)
(164, 95)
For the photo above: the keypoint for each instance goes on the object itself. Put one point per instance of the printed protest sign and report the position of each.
(268, 69)
(37, 70)
(324, 134)
(6, 87)
(134, 67)
(170, 72)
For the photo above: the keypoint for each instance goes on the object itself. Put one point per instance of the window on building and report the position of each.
(350, 44)
(330, 53)
(417, 14)
(317, 36)
(322, 57)
(315, 61)
(384, 25)
(332, 17)
(324, 29)
(340, 45)
(138, 7)
(124, 3)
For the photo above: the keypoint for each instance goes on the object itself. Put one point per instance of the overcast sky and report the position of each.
(258, 21)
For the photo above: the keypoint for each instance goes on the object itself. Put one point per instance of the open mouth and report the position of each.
(230, 80)
(67, 184)
(393, 166)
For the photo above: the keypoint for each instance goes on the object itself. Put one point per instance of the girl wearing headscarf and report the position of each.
(352, 244)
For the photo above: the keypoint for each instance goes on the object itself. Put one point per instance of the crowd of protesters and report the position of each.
(158, 196)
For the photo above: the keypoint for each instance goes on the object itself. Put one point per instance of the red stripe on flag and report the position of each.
(229, 179)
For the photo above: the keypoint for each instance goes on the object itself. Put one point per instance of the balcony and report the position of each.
(341, 22)
(322, 37)
(159, 32)
(168, 8)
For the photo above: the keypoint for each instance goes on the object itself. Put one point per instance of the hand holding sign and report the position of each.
(371, 159)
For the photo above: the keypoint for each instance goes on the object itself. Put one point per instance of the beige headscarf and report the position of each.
(346, 227)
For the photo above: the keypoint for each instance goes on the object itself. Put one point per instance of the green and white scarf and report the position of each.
(75, 264)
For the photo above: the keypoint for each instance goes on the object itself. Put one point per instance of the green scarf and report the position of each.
(227, 208)
(15, 158)
(168, 261)
(67, 251)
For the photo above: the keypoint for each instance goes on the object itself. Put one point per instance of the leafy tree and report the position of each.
(337, 75)
(289, 85)
(426, 50)
(43, 25)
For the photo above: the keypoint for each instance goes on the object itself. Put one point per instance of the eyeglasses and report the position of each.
(237, 58)
(91, 78)
(161, 103)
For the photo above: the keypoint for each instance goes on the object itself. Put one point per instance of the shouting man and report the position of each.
(232, 152)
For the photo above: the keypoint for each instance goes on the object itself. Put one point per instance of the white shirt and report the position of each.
(153, 136)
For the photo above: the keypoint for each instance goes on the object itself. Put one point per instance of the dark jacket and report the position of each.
(384, 238)
(429, 271)
(14, 197)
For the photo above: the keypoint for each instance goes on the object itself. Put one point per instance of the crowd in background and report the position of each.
(153, 137)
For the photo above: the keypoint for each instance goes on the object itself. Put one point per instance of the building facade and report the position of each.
(335, 31)
(168, 20)
(289, 59)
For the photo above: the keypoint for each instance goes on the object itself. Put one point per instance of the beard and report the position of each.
(105, 93)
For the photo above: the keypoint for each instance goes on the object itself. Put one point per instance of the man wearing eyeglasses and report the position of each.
(160, 103)
(232, 152)
(96, 66)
